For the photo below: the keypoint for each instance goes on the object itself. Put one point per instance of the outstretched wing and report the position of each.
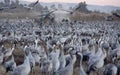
(116, 14)
(35, 3)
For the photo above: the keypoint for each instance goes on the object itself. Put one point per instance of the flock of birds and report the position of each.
(93, 47)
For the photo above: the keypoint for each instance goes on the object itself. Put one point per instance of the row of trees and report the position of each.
(54, 7)
(81, 7)
(18, 5)
(10, 3)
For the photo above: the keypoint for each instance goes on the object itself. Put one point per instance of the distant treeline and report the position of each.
(81, 7)
(20, 7)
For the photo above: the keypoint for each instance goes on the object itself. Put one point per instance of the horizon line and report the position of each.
(76, 3)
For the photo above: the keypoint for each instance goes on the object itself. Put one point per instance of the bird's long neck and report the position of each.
(26, 61)
(93, 49)
(81, 58)
(36, 42)
(73, 58)
(13, 48)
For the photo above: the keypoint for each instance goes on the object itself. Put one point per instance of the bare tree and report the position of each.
(17, 2)
(7, 2)
(45, 8)
(82, 7)
(60, 6)
(13, 4)
(53, 7)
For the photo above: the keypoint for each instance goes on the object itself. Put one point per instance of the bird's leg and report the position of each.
(42, 72)
(47, 73)
(33, 71)
(50, 73)
(5, 74)
(98, 72)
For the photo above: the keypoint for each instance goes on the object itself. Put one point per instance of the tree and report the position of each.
(52, 7)
(37, 7)
(17, 2)
(70, 8)
(7, 2)
(46, 8)
(60, 6)
(13, 4)
(1, 4)
(82, 7)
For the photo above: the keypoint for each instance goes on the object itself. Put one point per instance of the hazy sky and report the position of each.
(97, 2)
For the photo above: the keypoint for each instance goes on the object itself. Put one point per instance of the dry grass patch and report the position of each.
(88, 16)
(20, 15)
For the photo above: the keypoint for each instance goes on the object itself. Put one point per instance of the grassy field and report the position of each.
(21, 15)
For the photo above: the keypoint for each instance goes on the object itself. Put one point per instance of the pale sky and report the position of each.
(97, 2)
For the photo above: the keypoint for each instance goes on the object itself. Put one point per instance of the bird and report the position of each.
(23, 69)
(81, 72)
(68, 69)
(36, 42)
(2, 49)
(110, 69)
(35, 3)
(91, 42)
(114, 54)
(10, 65)
(1, 57)
(8, 52)
(31, 60)
(54, 55)
(97, 61)
(46, 66)
(118, 67)
(62, 59)
(36, 57)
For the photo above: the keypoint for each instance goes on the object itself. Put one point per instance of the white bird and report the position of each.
(97, 61)
(62, 59)
(31, 60)
(68, 69)
(23, 69)
(91, 42)
(55, 59)
(36, 42)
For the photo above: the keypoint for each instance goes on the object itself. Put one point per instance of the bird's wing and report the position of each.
(35, 3)
(18, 70)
